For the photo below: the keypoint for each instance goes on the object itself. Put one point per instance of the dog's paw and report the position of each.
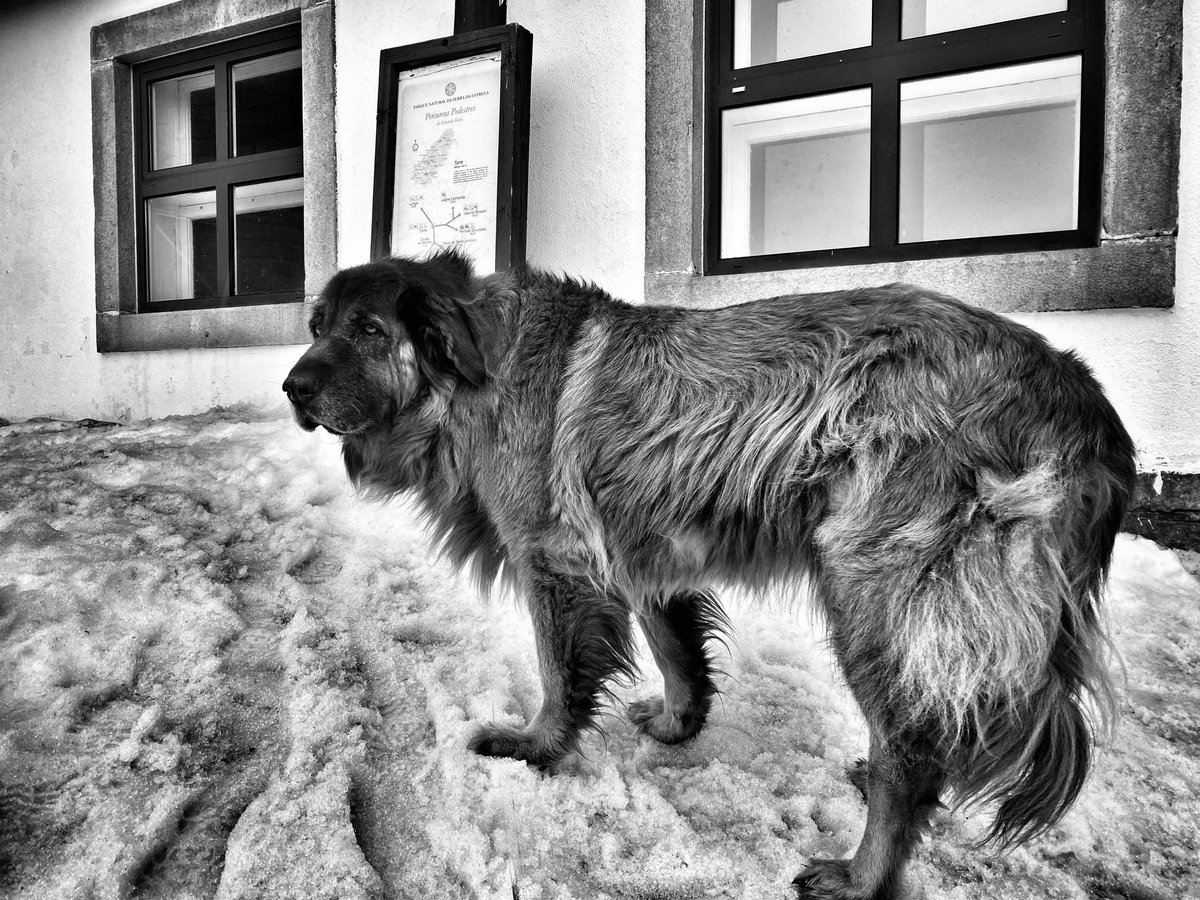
(532, 746)
(652, 718)
(857, 774)
(828, 879)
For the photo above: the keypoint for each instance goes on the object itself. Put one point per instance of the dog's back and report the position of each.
(751, 421)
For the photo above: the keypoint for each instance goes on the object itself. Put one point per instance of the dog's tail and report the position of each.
(1033, 752)
(1038, 775)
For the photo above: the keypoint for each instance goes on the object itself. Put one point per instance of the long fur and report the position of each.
(949, 483)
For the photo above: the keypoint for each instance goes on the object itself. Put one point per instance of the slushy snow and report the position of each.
(222, 675)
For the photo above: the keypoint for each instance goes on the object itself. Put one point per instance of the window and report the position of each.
(849, 131)
(1133, 266)
(220, 175)
(214, 171)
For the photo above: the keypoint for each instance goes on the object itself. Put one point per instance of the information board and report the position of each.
(446, 159)
(452, 148)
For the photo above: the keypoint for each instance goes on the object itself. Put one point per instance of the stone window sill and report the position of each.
(241, 326)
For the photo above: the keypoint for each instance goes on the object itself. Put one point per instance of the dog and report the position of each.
(947, 484)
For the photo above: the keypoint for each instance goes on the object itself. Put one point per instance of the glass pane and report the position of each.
(795, 174)
(266, 104)
(921, 17)
(990, 152)
(183, 120)
(181, 246)
(268, 236)
(766, 31)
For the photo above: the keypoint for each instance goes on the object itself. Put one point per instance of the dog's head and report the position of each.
(384, 334)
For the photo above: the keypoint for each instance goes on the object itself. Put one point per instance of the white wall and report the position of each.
(586, 214)
(586, 205)
(587, 181)
(363, 28)
(48, 359)
(587, 156)
(1149, 360)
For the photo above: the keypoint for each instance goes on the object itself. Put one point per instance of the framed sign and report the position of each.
(452, 147)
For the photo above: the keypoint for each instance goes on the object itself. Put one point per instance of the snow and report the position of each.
(223, 675)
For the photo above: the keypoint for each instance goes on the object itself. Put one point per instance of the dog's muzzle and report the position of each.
(300, 391)
(302, 386)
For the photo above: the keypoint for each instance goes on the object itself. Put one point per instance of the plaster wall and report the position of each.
(586, 215)
(586, 204)
(48, 359)
(1149, 360)
(362, 28)
(586, 208)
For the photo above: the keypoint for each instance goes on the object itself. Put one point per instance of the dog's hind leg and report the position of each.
(678, 630)
(584, 638)
(902, 778)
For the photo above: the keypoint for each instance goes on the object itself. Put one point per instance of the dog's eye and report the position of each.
(368, 328)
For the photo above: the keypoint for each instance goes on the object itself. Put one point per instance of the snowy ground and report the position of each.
(221, 675)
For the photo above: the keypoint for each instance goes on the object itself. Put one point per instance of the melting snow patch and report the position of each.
(223, 675)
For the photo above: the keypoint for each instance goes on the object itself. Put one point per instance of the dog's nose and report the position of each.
(300, 386)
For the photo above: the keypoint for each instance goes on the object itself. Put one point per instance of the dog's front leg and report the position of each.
(583, 638)
(679, 630)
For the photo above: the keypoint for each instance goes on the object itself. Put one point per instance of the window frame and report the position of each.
(883, 66)
(120, 44)
(220, 175)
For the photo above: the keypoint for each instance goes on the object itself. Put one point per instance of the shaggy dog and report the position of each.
(948, 484)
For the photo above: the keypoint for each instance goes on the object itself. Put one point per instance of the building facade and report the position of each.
(621, 131)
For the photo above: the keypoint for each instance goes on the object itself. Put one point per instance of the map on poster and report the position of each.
(447, 143)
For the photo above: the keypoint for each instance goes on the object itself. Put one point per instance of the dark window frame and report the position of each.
(220, 175)
(883, 66)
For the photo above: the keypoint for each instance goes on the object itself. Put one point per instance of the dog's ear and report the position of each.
(459, 341)
(439, 304)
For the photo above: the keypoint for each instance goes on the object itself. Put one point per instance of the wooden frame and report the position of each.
(473, 15)
(515, 46)
(882, 66)
(221, 175)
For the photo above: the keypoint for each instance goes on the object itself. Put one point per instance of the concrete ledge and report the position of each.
(237, 326)
(112, 187)
(1136, 272)
(320, 145)
(185, 25)
(1169, 515)
(1142, 115)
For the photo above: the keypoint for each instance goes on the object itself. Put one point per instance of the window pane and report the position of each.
(269, 236)
(181, 252)
(183, 117)
(266, 104)
(920, 17)
(990, 152)
(766, 31)
(795, 174)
